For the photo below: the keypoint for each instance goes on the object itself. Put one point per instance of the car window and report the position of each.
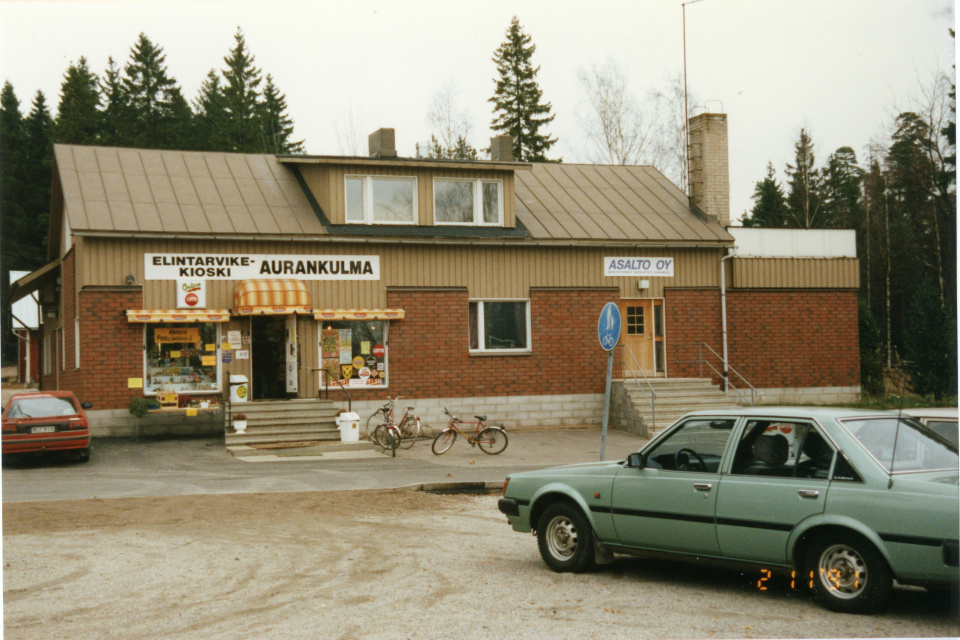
(41, 408)
(783, 449)
(697, 445)
(903, 445)
(946, 428)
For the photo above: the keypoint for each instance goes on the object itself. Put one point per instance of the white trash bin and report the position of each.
(349, 425)
(239, 391)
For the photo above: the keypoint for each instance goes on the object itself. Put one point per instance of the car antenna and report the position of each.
(896, 432)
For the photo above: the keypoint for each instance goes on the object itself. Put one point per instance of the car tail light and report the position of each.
(9, 428)
(77, 423)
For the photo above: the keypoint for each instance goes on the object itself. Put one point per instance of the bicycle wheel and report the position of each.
(379, 436)
(375, 420)
(409, 432)
(443, 441)
(392, 439)
(493, 440)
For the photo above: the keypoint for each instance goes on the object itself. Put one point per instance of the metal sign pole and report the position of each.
(608, 331)
(606, 406)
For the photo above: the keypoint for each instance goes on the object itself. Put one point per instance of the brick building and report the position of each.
(475, 284)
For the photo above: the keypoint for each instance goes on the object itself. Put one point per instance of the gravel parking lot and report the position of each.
(372, 564)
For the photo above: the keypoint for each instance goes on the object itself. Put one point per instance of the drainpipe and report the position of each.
(723, 317)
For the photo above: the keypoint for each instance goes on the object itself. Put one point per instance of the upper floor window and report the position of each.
(499, 325)
(467, 201)
(381, 200)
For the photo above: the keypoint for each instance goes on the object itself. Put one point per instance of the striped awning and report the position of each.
(178, 315)
(270, 297)
(358, 314)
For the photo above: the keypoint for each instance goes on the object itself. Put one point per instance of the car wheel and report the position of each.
(849, 574)
(565, 538)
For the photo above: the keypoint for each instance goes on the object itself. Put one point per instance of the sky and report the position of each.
(841, 69)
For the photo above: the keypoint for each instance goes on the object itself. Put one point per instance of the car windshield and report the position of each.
(915, 448)
(41, 407)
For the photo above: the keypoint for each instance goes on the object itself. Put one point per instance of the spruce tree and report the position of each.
(150, 92)
(518, 107)
(803, 199)
(841, 190)
(243, 124)
(769, 203)
(78, 115)
(930, 344)
(115, 107)
(210, 113)
(277, 125)
(37, 150)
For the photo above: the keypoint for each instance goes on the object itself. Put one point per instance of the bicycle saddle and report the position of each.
(481, 418)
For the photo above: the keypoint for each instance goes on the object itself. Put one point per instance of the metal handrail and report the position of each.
(326, 387)
(721, 374)
(652, 400)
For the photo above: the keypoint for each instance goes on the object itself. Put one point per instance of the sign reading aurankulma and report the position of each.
(215, 266)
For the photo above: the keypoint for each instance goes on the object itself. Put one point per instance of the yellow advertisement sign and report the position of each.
(176, 335)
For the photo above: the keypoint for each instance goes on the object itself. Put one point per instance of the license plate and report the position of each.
(50, 429)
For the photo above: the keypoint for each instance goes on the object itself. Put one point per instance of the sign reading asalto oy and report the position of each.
(638, 267)
(216, 266)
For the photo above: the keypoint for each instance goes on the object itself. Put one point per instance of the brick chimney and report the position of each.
(501, 148)
(383, 144)
(709, 160)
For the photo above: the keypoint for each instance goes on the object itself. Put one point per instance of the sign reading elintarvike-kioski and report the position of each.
(215, 266)
(638, 267)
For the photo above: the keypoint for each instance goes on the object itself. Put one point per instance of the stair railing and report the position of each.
(723, 375)
(325, 387)
(652, 397)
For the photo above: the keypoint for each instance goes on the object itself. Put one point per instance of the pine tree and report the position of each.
(243, 124)
(78, 115)
(277, 125)
(931, 344)
(769, 204)
(517, 99)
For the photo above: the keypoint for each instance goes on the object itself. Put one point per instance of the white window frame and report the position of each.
(477, 202)
(481, 336)
(368, 198)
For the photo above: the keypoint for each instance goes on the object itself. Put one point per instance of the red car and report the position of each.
(46, 421)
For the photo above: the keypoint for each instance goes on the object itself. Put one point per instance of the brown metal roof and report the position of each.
(113, 189)
(609, 203)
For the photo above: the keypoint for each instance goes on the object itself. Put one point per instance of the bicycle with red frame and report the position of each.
(492, 440)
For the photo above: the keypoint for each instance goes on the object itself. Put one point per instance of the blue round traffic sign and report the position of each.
(608, 328)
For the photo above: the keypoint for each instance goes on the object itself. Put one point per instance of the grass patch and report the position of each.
(893, 402)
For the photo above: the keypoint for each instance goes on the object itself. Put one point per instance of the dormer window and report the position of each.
(475, 202)
(381, 200)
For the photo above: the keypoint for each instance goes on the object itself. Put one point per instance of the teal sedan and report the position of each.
(843, 502)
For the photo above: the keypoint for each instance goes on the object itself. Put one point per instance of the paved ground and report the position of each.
(127, 468)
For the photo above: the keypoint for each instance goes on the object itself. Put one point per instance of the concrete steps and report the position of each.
(677, 397)
(295, 424)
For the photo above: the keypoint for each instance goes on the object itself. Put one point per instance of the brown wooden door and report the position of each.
(637, 334)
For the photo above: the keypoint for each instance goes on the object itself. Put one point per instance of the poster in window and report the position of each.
(163, 335)
(329, 343)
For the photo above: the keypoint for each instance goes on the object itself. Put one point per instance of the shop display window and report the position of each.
(182, 358)
(353, 353)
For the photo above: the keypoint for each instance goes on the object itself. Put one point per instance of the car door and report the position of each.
(778, 477)
(669, 503)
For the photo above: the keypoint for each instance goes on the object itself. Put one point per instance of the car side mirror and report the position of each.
(635, 461)
(87, 405)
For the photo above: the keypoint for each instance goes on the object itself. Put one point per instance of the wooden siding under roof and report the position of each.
(796, 273)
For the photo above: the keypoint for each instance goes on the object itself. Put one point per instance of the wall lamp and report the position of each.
(130, 280)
